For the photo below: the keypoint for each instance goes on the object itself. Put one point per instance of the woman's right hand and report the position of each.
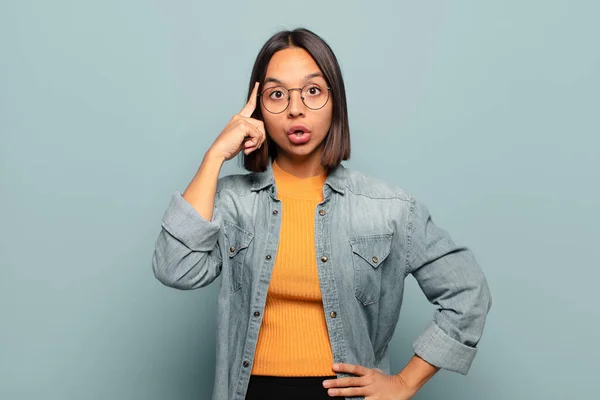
(242, 132)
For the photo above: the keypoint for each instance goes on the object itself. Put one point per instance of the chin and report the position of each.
(300, 151)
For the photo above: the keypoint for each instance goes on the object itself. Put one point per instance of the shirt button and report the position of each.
(268, 257)
(375, 260)
(256, 314)
(245, 364)
(275, 212)
(321, 212)
(333, 314)
(324, 258)
(232, 249)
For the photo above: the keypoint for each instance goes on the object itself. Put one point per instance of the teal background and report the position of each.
(486, 111)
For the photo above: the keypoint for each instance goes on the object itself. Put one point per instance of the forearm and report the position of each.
(417, 372)
(201, 191)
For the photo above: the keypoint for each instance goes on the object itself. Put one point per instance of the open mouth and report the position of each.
(299, 134)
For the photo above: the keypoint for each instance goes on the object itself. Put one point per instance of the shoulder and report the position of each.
(362, 184)
(238, 184)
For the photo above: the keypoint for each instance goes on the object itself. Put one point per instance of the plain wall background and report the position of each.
(486, 111)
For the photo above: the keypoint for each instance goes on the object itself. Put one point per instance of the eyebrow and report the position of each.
(306, 78)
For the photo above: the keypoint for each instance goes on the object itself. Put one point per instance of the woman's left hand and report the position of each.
(373, 384)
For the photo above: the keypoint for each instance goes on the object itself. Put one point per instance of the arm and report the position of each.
(416, 373)
(201, 191)
(451, 279)
(186, 254)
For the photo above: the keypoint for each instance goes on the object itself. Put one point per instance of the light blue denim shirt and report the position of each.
(369, 235)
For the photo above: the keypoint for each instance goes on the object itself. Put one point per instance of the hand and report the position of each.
(242, 132)
(373, 384)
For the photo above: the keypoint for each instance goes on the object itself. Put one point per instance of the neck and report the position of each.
(301, 168)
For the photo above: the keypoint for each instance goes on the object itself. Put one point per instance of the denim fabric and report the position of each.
(369, 236)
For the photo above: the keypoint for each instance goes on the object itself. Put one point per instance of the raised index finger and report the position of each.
(251, 105)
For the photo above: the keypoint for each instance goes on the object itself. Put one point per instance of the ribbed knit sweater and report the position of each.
(293, 338)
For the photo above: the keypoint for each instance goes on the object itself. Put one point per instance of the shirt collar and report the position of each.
(336, 179)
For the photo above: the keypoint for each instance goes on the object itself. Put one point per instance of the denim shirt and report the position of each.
(369, 235)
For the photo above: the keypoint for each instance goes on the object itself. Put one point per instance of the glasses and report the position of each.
(277, 99)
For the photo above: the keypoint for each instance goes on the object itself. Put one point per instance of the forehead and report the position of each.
(291, 65)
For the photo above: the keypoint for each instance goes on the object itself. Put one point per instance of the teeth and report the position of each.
(299, 133)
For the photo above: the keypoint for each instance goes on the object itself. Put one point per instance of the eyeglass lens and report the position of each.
(276, 99)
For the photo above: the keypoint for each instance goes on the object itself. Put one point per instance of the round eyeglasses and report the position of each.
(277, 99)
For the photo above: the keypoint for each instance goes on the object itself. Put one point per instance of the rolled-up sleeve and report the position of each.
(186, 254)
(452, 280)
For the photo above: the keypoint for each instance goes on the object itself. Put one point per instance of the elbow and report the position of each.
(184, 273)
(480, 301)
(164, 272)
(161, 271)
(486, 295)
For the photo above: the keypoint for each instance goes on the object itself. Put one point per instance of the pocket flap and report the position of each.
(374, 249)
(237, 238)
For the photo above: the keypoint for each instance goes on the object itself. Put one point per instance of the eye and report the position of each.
(313, 90)
(276, 93)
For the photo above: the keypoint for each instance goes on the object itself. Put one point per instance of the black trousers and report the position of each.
(288, 388)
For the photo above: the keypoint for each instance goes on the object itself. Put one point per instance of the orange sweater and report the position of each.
(293, 338)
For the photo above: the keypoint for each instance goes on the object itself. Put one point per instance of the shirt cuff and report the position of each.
(439, 349)
(184, 223)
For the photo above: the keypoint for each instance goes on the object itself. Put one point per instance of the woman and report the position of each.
(314, 255)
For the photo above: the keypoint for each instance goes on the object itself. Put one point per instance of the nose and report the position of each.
(296, 107)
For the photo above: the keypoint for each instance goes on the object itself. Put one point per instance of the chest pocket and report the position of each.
(237, 241)
(368, 254)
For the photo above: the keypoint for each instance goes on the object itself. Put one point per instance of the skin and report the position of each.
(291, 67)
(374, 384)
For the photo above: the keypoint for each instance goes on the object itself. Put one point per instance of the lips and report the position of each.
(294, 129)
(298, 134)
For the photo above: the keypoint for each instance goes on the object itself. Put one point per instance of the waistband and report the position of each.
(292, 380)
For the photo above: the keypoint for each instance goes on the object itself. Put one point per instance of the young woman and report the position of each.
(313, 255)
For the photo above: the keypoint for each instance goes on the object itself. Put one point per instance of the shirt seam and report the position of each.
(391, 197)
(408, 230)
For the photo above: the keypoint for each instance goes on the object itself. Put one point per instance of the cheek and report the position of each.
(272, 123)
(326, 118)
(266, 117)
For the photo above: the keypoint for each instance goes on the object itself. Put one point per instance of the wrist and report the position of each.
(416, 373)
(411, 386)
(213, 156)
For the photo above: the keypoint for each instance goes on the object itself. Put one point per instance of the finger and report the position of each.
(344, 382)
(252, 142)
(253, 133)
(351, 368)
(257, 123)
(251, 105)
(347, 392)
(250, 149)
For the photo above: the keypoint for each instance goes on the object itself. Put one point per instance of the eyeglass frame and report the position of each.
(290, 97)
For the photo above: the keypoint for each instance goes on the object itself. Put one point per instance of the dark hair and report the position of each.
(337, 141)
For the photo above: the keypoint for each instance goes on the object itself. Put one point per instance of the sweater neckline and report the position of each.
(289, 185)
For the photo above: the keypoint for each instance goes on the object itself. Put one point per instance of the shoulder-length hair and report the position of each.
(337, 141)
